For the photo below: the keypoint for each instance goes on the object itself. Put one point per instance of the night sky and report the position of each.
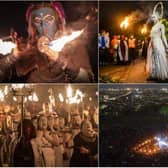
(111, 14)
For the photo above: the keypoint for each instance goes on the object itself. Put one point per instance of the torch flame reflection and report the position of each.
(125, 23)
(57, 45)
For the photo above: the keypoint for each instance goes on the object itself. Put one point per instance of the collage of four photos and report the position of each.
(84, 83)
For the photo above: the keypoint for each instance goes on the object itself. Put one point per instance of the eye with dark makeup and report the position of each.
(49, 18)
(37, 20)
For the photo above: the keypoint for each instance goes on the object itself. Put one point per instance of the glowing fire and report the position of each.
(152, 146)
(125, 23)
(6, 47)
(144, 30)
(58, 45)
(77, 98)
(35, 98)
(148, 147)
(61, 97)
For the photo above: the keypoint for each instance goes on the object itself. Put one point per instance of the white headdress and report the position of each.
(160, 14)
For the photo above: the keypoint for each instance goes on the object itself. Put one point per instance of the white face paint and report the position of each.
(42, 123)
(155, 17)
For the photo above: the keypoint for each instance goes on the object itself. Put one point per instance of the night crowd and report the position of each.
(121, 49)
(51, 137)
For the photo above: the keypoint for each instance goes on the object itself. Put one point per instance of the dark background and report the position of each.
(128, 120)
(13, 15)
(112, 13)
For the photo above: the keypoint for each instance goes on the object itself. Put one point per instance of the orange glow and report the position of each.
(149, 147)
(144, 29)
(125, 23)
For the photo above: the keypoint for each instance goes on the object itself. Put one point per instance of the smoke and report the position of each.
(140, 15)
(144, 14)
(83, 16)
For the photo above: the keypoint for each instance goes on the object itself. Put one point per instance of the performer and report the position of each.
(35, 61)
(114, 44)
(131, 45)
(44, 154)
(85, 147)
(123, 50)
(157, 63)
(23, 153)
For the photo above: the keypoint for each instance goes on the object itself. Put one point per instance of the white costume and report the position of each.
(157, 62)
(44, 153)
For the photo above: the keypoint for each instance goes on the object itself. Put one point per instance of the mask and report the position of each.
(44, 21)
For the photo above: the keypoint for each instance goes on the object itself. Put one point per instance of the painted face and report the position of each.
(43, 123)
(44, 21)
(155, 17)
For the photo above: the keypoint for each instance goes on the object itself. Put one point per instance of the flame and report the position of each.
(35, 98)
(14, 98)
(18, 86)
(149, 147)
(6, 90)
(25, 99)
(125, 23)
(30, 98)
(77, 98)
(1, 96)
(6, 47)
(58, 45)
(69, 91)
(61, 97)
(144, 30)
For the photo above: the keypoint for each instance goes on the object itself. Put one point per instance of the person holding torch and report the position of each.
(43, 57)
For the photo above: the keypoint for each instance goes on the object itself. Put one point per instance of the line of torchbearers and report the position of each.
(51, 137)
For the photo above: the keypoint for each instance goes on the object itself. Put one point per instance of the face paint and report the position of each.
(44, 21)
(155, 17)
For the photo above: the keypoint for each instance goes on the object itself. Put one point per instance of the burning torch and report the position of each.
(124, 24)
(6, 47)
(144, 29)
(44, 45)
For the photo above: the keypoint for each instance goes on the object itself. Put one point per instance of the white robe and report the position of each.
(157, 63)
(44, 153)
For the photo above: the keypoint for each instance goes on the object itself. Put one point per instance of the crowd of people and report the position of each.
(119, 49)
(62, 137)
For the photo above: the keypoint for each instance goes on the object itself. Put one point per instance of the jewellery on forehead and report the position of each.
(161, 8)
